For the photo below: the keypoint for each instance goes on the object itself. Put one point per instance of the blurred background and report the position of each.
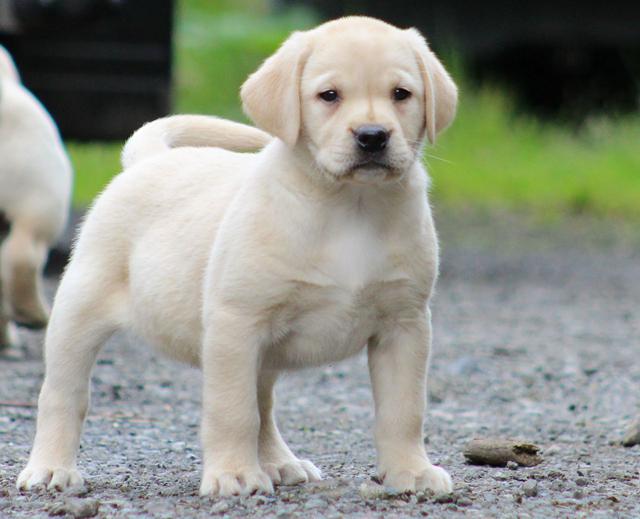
(548, 121)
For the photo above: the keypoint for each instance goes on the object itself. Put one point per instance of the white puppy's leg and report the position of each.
(276, 459)
(398, 362)
(84, 315)
(5, 335)
(22, 260)
(230, 418)
(8, 335)
(6, 338)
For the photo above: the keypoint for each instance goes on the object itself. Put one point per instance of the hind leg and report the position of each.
(86, 312)
(22, 259)
(5, 333)
(276, 459)
(8, 335)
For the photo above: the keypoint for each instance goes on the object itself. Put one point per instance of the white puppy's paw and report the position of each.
(8, 335)
(292, 471)
(12, 347)
(233, 483)
(429, 477)
(51, 478)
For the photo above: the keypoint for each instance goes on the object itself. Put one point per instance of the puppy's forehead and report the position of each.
(359, 45)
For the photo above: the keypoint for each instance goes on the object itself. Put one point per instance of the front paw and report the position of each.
(291, 471)
(233, 482)
(53, 478)
(427, 477)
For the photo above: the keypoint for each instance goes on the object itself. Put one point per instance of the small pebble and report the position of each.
(633, 435)
(220, 507)
(444, 498)
(578, 494)
(77, 508)
(501, 476)
(582, 482)
(260, 500)
(315, 503)
(422, 497)
(530, 488)
(370, 490)
(464, 501)
(552, 450)
(77, 491)
(512, 465)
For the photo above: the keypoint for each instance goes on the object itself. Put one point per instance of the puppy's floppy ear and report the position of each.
(441, 93)
(271, 95)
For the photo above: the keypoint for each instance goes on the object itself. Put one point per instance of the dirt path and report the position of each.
(537, 336)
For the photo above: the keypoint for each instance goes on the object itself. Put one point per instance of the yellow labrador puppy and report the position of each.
(35, 189)
(305, 253)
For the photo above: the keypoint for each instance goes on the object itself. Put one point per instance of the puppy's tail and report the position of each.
(191, 130)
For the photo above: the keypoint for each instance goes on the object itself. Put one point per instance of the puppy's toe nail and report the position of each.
(259, 483)
(39, 478)
(272, 471)
(59, 480)
(229, 485)
(209, 487)
(23, 478)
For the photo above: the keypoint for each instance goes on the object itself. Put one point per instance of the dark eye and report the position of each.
(400, 94)
(330, 96)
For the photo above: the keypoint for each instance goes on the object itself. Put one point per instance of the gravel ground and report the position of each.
(537, 336)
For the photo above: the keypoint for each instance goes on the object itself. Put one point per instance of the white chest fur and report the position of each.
(353, 253)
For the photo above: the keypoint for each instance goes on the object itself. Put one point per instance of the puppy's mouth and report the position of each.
(370, 165)
(369, 171)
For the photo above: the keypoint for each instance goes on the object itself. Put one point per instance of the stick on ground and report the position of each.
(498, 452)
(633, 435)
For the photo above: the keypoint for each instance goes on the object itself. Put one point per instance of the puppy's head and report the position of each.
(358, 93)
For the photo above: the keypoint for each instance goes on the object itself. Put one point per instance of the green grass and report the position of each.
(489, 159)
(94, 164)
(495, 159)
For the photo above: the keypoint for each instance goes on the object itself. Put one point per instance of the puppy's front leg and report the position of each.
(398, 361)
(231, 419)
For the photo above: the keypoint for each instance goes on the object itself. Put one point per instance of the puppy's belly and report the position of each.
(166, 280)
(321, 335)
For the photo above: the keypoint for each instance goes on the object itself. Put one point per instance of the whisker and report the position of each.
(430, 156)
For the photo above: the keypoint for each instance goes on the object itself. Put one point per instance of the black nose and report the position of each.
(371, 137)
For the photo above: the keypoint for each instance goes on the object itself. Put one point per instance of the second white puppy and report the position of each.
(35, 190)
(307, 252)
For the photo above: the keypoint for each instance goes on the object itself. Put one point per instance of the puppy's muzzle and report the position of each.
(371, 138)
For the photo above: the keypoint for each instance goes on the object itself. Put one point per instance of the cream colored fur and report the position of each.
(250, 264)
(35, 189)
